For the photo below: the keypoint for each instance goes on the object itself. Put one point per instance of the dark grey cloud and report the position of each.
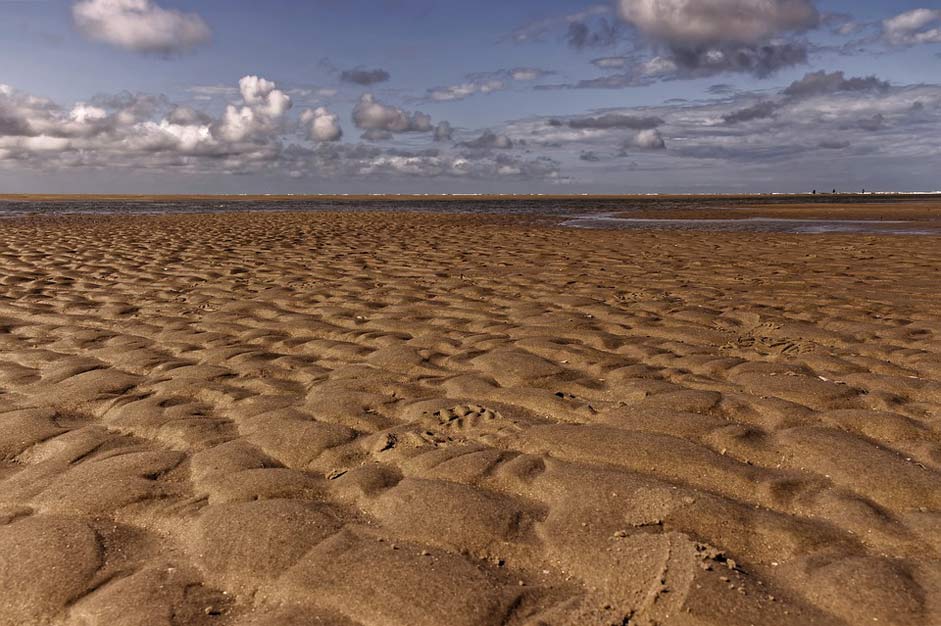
(14, 117)
(822, 82)
(701, 39)
(759, 111)
(680, 63)
(364, 77)
(601, 34)
(489, 141)
(721, 89)
(443, 131)
(758, 60)
(538, 30)
(616, 120)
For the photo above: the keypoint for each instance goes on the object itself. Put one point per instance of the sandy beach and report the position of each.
(402, 419)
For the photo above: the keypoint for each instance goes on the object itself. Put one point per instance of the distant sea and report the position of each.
(600, 212)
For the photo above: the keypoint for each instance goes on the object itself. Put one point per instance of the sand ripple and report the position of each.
(377, 419)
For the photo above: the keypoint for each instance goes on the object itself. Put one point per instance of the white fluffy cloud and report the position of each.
(370, 114)
(706, 22)
(260, 117)
(919, 26)
(264, 95)
(321, 125)
(650, 139)
(464, 90)
(140, 25)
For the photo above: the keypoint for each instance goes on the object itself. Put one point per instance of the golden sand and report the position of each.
(417, 420)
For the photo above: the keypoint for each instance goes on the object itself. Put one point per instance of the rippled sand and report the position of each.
(403, 419)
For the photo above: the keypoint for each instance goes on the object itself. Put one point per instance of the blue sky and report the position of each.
(428, 96)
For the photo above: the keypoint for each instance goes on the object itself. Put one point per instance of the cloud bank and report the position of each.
(254, 135)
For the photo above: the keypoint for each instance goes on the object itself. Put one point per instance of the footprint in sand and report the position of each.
(472, 421)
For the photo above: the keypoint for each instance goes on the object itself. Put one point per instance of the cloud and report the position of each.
(583, 35)
(377, 134)
(140, 26)
(741, 137)
(538, 29)
(920, 26)
(616, 120)
(371, 115)
(842, 24)
(485, 83)
(685, 63)
(758, 60)
(366, 161)
(526, 73)
(611, 81)
(648, 140)
(701, 38)
(704, 23)
(253, 136)
(186, 116)
(264, 95)
(834, 145)
(819, 83)
(365, 77)
(321, 125)
(465, 90)
(210, 92)
(872, 124)
(760, 111)
(720, 89)
(489, 141)
(260, 116)
(443, 132)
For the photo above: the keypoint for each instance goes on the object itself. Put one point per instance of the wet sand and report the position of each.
(416, 420)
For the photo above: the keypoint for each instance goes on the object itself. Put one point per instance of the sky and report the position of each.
(435, 96)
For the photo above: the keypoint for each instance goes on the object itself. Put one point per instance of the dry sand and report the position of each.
(418, 420)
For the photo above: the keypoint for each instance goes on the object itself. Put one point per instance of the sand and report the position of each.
(419, 420)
